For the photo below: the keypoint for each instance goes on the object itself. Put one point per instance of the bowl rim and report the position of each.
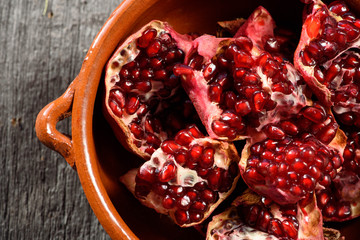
(87, 83)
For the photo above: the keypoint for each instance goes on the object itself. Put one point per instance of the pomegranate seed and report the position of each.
(329, 210)
(307, 59)
(115, 108)
(184, 138)
(274, 132)
(332, 72)
(242, 107)
(263, 220)
(195, 131)
(199, 206)
(341, 38)
(196, 61)
(253, 175)
(176, 191)
(147, 174)
(307, 182)
(196, 217)
(168, 202)
(168, 172)
(215, 91)
(170, 147)
(153, 140)
(209, 71)
(251, 79)
(313, 26)
(338, 7)
(291, 154)
(275, 228)
(259, 99)
(195, 152)
(252, 217)
(153, 48)
(271, 45)
(207, 159)
(281, 182)
(289, 128)
(180, 157)
(327, 134)
(207, 195)
(243, 59)
(232, 119)
(146, 37)
(222, 62)
(244, 43)
(289, 229)
(270, 68)
(230, 99)
(314, 114)
(183, 202)
(344, 210)
(182, 216)
(220, 128)
(132, 105)
(150, 150)
(143, 86)
(136, 130)
(126, 85)
(214, 178)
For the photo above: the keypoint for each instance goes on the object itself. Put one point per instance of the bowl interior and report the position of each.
(185, 16)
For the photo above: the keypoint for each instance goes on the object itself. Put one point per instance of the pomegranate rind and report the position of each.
(231, 27)
(259, 24)
(225, 155)
(125, 53)
(229, 225)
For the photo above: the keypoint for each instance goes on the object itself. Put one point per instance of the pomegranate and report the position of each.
(254, 217)
(286, 163)
(237, 85)
(328, 58)
(187, 177)
(341, 201)
(141, 89)
(160, 85)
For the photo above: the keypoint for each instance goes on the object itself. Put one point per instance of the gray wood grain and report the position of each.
(40, 195)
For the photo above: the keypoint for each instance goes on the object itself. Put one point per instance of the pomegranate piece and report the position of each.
(143, 100)
(188, 189)
(250, 218)
(286, 163)
(327, 57)
(237, 86)
(341, 201)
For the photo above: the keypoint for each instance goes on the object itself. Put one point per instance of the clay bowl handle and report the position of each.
(47, 119)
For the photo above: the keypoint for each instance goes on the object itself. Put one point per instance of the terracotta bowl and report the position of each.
(93, 150)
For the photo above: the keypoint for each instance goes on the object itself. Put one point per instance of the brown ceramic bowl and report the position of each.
(94, 151)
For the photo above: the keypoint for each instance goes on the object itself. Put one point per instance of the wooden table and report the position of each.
(41, 52)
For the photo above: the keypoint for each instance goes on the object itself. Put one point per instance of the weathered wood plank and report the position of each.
(40, 195)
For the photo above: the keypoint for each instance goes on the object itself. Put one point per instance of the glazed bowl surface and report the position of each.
(93, 150)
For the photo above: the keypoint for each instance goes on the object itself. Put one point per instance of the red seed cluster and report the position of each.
(151, 70)
(342, 74)
(189, 203)
(333, 206)
(351, 158)
(330, 35)
(291, 158)
(235, 84)
(260, 217)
